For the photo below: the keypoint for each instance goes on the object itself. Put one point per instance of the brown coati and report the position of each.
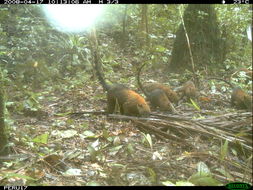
(239, 98)
(130, 102)
(171, 94)
(157, 96)
(188, 90)
(155, 93)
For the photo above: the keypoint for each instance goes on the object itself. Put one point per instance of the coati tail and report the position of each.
(157, 95)
(105, 86)
(139, 82)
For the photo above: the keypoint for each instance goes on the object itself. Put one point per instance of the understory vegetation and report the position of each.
(55, 108)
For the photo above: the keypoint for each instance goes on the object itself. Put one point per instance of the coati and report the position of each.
(156, 96)
(130, 102)
(171, 94)
(188, 90)
(239, 98)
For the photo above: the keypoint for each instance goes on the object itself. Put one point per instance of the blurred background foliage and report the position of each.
(31, 51)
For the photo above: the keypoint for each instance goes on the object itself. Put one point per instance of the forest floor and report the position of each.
(69, 140)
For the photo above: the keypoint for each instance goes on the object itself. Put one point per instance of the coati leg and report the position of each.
(115, 95)
(130, 110)
(111, 102)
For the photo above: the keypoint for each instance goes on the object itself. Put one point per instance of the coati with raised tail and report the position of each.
(239, 98)
(156, 96)
(171, 94)
(188, 90)
(130, 102)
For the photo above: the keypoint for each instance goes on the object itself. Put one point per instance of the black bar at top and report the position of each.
(127, 2)
(158, 1)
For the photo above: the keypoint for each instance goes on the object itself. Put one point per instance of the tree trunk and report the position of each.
(123, 41)
(144, 32)
(3, 137)
(204, 37)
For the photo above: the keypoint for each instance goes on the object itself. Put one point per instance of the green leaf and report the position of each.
(11, 175)
(73, 171)
(195, 105)
(114, 150)
(68, 133)
(225, 173)
(198, 116)
(224, 150)
(118, 166)
(105, 134)
(160, 49)
(203, 168)
(168, 183)
(85, 125)
(41, 139)
(93, 152)
(116, 141)
(130, 148)
(148, 139)
(152, 175)
(203, 177)
(204, 181)
(234, 151)
(93, 183)
(70, 121)
(9, 103)
(184, 183)
(89, 134)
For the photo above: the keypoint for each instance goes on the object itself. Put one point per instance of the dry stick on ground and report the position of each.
(213, 132)
(81, 113)
(148, 127)
(191, 126)
(170, 116)
(89, 112)
(210, 127)
(155, 131)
